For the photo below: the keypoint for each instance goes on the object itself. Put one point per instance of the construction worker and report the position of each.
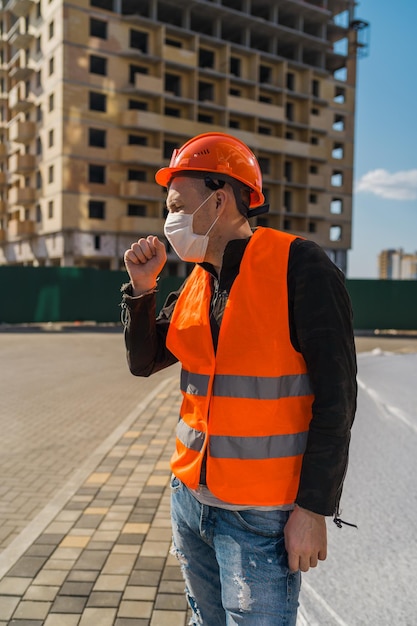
(263, 330)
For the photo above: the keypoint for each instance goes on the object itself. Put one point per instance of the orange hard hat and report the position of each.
(217, 153)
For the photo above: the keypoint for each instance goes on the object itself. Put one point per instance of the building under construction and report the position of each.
(95, 95)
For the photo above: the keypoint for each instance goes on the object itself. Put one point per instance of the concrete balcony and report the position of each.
(22, 163)
(19, 7)
(134, 118)
(18, 101)
(17, 228)
(22, 132)
(20, 38)
(21, 72)
(22, 196)
(140, 190)
(149, 84)
(252, 107)
(179, 56)
(140, 154)
(139, 225)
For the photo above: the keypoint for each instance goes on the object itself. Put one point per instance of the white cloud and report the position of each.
(396, 186)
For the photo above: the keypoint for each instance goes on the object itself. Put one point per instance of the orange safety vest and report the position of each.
(249, 404)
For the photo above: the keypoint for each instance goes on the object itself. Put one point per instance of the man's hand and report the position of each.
(144, 261)
(305, 539)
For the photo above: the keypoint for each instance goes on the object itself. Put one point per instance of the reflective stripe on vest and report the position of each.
(228, 447)
(254, 387)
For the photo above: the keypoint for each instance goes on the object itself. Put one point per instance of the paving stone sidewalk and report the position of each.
(104, 559)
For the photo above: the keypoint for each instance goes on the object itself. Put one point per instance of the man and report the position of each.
(263, 330)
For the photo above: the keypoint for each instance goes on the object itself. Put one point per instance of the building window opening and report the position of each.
(136, 210)
(172, 111)
(139, 40)
(169, 14)
(169, 147)
(337, 179)
(133, 7)
(137, 140)
(200, 24)
(205, 91)
(338, 151)
(265, 74)
(205, 119)
(97, 242)
(139, 175)
(315, 88)
(138, 105)
(98, 65)
(289, 111)
(206, 58)
(97, 137)
(98, 101)
(96, 210)
(336, 206)
(341, 74)
(235, 66)
(339, 95)
(265, 165)
(290, 81)
(287, 201)
(339, 123)
(173, 84)
(237, 5)
(288, 170)
(98, 28)
(335, 233)
(97, 174)
(107, 5)
(265, 130)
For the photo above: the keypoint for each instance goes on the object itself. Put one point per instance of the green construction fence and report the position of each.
(32, 295)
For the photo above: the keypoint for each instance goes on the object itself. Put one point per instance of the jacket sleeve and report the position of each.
(322, 330)
(145, 333)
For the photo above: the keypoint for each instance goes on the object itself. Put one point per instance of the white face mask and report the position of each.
(178, 230)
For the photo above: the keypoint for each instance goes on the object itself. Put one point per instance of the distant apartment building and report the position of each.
(95, 95)
(397, 265)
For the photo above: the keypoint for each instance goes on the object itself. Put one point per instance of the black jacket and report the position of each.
(320, 328)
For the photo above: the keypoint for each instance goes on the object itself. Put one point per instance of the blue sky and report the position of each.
(385, 196)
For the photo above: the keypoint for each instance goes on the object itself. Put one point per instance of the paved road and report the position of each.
(63, 395)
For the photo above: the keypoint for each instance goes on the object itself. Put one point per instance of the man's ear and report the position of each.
(221, 199)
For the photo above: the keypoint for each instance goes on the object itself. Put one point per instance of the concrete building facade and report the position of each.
(95, 94)
(397, 265)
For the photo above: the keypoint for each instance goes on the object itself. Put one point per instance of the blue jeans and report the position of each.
(234, 564)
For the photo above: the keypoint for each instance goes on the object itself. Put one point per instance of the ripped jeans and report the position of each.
(234, 563)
